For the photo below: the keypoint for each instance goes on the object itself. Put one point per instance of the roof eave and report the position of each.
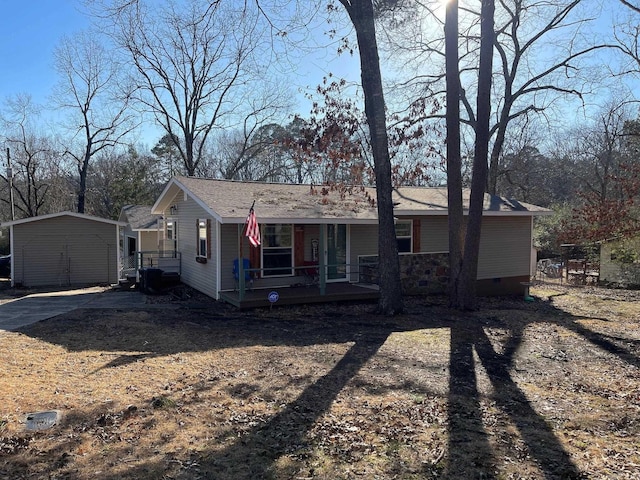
(486, 213)
(301, 221)
(63, 214)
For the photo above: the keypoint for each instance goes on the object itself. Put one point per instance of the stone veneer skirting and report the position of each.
(420, 273)
(428, 273)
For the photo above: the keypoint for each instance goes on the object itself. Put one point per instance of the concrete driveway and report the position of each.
(40, 306)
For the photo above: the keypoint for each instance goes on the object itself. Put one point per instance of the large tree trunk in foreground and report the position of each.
(463, 296)
(454, 160)
(361, 14)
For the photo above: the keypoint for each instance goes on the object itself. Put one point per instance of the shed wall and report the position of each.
(65, 251)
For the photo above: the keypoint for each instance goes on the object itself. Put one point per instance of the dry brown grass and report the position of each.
(547, 389)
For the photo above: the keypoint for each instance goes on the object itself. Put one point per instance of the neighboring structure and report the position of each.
(620, 262)
(328, 235)
(142, 230)
(64, 249)
(148, 241)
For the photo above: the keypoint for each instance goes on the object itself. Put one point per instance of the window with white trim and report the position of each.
(404, 235)
(277, 250)
(202, 248)
(172, 235)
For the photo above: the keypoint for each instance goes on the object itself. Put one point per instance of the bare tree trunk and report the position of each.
(466, 291)
(454, 160)
(361, 14)
(91, 90)
(501, 133)
(83, 170)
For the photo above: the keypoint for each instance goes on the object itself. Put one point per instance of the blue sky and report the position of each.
(32, 29)
(30, 32)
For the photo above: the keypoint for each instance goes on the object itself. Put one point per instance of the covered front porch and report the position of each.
(301, 294)
(296, 264)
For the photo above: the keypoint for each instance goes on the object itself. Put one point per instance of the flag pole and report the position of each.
(241, 285)
(244, 229)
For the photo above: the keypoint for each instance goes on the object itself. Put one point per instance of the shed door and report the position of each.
(68, 260)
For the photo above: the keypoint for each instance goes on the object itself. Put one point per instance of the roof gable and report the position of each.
(62, 214)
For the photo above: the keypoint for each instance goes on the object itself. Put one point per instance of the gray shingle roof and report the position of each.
(139, 217)
(230, 201)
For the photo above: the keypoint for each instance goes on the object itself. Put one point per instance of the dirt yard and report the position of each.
(548, 389)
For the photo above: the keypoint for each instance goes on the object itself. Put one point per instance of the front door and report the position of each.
(131, 246)
(337, 253)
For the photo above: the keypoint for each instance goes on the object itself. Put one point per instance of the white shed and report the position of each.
(64, 249)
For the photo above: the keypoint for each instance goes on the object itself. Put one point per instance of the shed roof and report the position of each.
(229, 201)
(139, 217)
(62, 214)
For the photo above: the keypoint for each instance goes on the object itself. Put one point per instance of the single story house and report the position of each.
(327, 236)
(64, 249)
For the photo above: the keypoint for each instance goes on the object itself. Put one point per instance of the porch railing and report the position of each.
(166, 260)
(364, 271)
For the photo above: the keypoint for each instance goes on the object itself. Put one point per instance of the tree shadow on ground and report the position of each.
(255, 453)
(285, 432)
(469, 448)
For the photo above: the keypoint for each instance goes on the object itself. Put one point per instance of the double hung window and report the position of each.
(277, 250)
(404, 229)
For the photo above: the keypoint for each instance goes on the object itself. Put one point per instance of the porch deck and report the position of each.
(297, 295)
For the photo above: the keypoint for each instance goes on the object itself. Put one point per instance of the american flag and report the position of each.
(252, 230)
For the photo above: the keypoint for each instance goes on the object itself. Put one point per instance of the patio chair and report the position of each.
(248, 280)
(311, 273)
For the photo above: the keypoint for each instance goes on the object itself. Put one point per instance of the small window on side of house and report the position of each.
(203, 239)
(172, 235)
(404, 235)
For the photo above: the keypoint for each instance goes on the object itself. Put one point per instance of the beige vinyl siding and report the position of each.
(148, 241)
(364, 241)
(434, 234)
(505, 247)
(201, 276)
(311, 232)
(229, 250)
(65, 251)
(434, 237)
(615, 270)
(505, 244)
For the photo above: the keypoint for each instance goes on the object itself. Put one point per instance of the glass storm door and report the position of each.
(336, 252)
